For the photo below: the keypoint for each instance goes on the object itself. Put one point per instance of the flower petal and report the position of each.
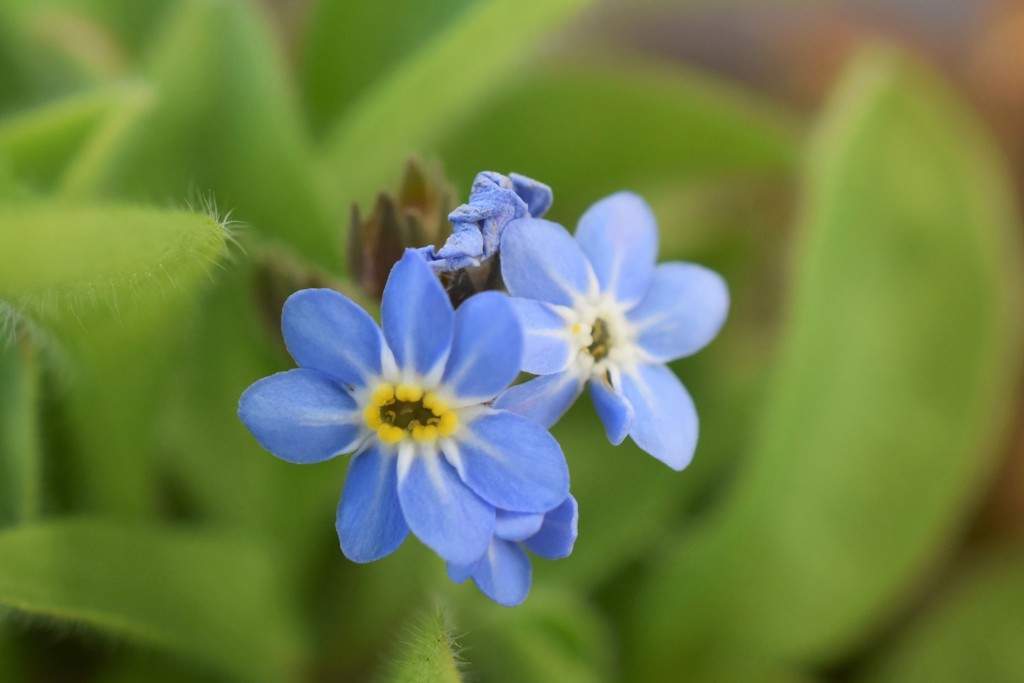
(557, 535)
(683, 310)
(301, 416)
(370, 523)
(327, 331)
(537, 195)
(542, 400)
(511, 462)
(620, 239)
(487, 348)
(517, 526)
(503, 573)
(458, 573)
(615, 411)
(546, 348)
(665, 424)
(540, 260)
(417, 316)
(441, 510)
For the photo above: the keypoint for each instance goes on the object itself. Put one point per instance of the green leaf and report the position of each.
(429, 653)
(39, 142)
(71, 258)
(639, 124)
(895, 379)
(114, 282)
(227, 124)
(235, 342)
(20, 448)
(377, 36)
(434, 91)
(214, 598)
(971, 633)
(554, 637)
(102, 154)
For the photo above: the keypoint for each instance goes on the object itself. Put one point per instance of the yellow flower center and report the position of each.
(396, 412)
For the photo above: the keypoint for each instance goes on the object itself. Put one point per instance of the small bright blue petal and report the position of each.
(417, 315)
(558, 533)
(503, 573)
(665, 423)
(487, 348)
(301, 416)
(615, 411)
(326, 331)
(458, 573)
(517, 526)
(540, 260)
(511, 462)
(543, 400)
(442, 511)
(682, 311)
(546, 349)
(537, 195)
(620, 238)
(370, 523)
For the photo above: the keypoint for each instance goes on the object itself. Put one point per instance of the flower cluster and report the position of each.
(443, 446)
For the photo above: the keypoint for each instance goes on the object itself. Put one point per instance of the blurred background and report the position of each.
(170, 170)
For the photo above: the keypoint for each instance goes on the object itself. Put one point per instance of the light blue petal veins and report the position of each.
(683, 310)
(537, 195)
(370, 523)
(546, 349)
(615, 411)
(517, 526)
(543, 400)
(557, 535)
(511, 462)
(442, 511)
(326, 331)
(620, 239)
(458, 573)
(301, 416)
(540, 260)
(417, 316)
(487, 348)
(503, 573)
(665, 422)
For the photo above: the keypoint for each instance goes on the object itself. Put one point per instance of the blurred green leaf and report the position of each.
(69, 258)
(227, 124)
(554, 637)
(972, 633)
(102, 154)
(376, 36)
(592, 130)
(211, 597)
(429, 653)
(20, 447)
(115, 282)
(435, 90)
(103, 32)
(892, 390)
(39, 142)
(234, 343)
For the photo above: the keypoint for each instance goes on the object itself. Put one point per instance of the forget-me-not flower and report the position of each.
(503, 573)
(597, 310)
(495, 201)
(411, 400)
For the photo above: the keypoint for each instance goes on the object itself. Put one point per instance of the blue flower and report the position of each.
(503, 573)
(494, 202)
(431, 455)
(597, 310)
